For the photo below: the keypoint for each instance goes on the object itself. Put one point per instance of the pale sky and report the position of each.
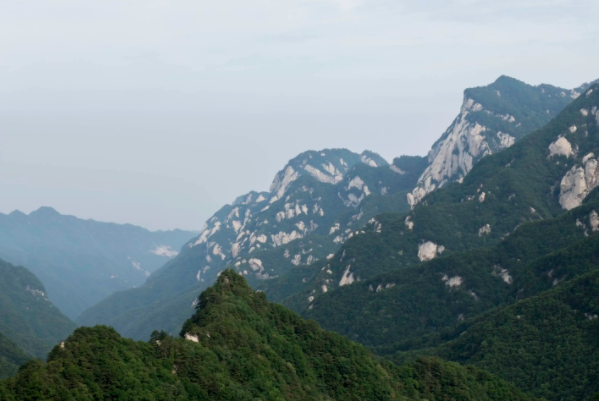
(157, 113)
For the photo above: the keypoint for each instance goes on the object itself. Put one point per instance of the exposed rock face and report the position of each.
(485, 230)
(348, 277)
(483, 127)
(454, 154)
(281, 182)
(504, 274)
(191, 337)
(506, 140)
(579, 182)
(561, 147)
(429, 250)
(452, 282)
(594, 221)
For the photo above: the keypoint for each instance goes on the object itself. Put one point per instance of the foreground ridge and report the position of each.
(238, 346)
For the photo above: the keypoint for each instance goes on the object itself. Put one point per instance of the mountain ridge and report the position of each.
(238, 346)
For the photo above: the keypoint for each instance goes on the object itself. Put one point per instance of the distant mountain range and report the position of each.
(80, 261)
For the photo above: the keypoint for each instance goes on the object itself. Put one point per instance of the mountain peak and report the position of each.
(328, 166)
(45, 211)
(17, 213)
(492, 118)
(373, 159)
(506, 79)
(231, 281)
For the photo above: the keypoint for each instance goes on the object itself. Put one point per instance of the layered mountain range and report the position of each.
(532, 180)
(519, 230)
(485, 253)
(316, 203)
(80, 261)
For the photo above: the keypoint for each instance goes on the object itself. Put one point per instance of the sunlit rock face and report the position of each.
(579, 182)
(492, 118)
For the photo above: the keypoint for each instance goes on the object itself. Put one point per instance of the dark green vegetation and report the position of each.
(413, 301)
(80, 261)
(244, 348)
(11, 357)
(547, 344)
(27, 318)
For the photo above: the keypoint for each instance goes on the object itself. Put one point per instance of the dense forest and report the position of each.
(546, 344)
(418, 300)
(11, 357)
(238, 346)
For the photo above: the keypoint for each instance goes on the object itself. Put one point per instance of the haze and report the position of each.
(156, 113)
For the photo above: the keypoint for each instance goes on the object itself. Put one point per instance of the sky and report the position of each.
(157, 113)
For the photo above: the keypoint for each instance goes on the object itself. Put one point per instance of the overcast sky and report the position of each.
(156, 113)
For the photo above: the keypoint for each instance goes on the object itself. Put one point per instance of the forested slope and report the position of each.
(11, 357)
(427, 298)
(547, 344)
(27, 317)
(238, 346)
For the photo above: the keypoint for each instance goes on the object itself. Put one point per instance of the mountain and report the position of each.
(546, 344)
(519, 239)
(492, 118)
(238, 346)
(317, 202)
(538, 178)
(312, 204)
(81, 262)
(27, 318)
(11, 357)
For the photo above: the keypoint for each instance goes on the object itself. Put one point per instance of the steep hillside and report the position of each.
(27, 317)
(410, 302)
(313, 203)
(81, 262)
(547, 344)
(540, 177)
(240, 347)
(11, 357)
(492, 118)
